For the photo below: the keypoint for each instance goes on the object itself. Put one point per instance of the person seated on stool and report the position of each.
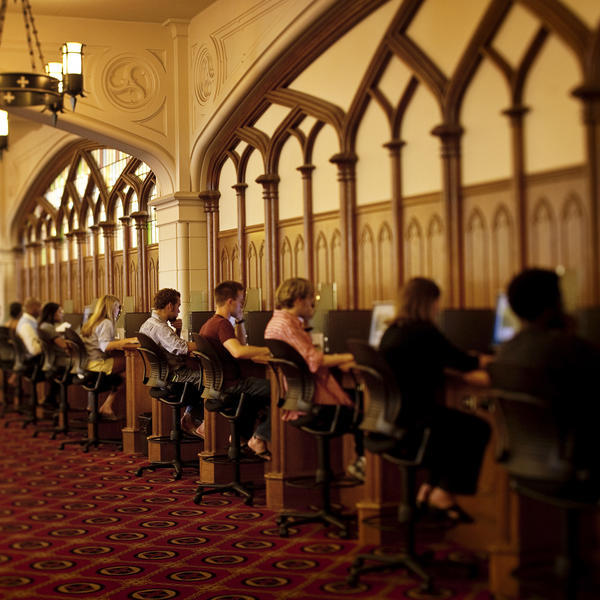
(295, 306)
(565, 365)
(164, 328)
(230, 345)
(15, 310)
(418, 353)
(50, 319)
(99, 336)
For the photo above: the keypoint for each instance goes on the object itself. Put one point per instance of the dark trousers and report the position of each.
(257, 393)
(456, 448)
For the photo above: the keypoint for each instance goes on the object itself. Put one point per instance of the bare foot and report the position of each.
(259, 447)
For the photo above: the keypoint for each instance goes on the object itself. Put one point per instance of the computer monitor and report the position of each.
(469, 328)
(133, 322)
(256, 323)
(74, 319)
(381, 315)
(506, 323)
(198, 318)
(342, 325)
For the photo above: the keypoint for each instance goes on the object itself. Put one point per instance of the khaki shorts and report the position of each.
(101, 365)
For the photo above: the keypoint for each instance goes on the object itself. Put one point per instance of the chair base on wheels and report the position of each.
(410, 562)
(242, 490)
(323, 516)
(177, 465)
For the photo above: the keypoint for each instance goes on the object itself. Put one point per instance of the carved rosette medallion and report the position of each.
(204, 75)
(130, 82)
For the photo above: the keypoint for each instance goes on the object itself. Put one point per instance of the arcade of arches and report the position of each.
(355, 142)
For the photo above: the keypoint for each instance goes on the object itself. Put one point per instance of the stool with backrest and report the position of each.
(7, 363)
(550, 460)
(399, 443)
(58, 368)
(28, 368)
(323, 423)
(231, 408)
(94, 383)
(158, 376)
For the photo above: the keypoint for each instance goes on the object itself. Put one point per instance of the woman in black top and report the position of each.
(418, 353)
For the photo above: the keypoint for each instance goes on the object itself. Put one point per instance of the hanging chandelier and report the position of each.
(47, 85)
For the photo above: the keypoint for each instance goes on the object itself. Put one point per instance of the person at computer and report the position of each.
(164, 328)
(56, 352)
(104, 350)
(418, 353)
(295, 306)
(15, 310)
(546, 359)
(231, 346)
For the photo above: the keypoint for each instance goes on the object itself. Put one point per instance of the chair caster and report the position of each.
(197, 498)
(35, 434)
(139, 472)
(248, 501)
(352, 580)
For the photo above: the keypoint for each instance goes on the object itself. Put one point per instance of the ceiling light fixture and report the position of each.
(36, 88)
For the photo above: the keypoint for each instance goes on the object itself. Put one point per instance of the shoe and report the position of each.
(357, 469)
(188, 425)
(454, 514)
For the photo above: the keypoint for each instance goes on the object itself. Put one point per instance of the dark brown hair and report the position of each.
(227, 290)
(166, 296)
(416, 298)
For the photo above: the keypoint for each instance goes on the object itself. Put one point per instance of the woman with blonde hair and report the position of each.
(99, 336)
(418, 352)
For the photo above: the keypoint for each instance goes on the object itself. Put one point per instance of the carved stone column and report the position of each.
(271, 198)
(346, 164)
(240, 192)
(182, 257)
(108, 232)
(395, 148)
(81, 236)
(54, 290)
(19, 273)
(126, 222)
(590, 96)
(95, 232)
(33, 252)
(70, 241)
(307, 219)
(450, 135)
(141, 229)
(210, 198)
(516, 115)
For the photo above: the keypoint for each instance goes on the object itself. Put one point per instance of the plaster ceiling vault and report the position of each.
(151, 11)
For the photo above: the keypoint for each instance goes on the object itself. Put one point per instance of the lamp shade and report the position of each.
(55, 69)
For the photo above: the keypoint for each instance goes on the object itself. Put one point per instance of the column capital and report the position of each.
(140, 217)
(394, 146)
(238, 187)
(33, 245)
(107, 227)
(344, 158)
(306, 170)
(268, 179)
(125, 220)
(80, 235)
(55, 241)
(210, 198)
(18, 251)
(516, 111)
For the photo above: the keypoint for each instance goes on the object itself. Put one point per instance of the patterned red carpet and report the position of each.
(77, 525)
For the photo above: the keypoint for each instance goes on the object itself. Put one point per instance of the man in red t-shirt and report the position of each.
(230, 344)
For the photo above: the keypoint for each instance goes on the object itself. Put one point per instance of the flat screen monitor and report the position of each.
(198, 318)
(468, 328)
(87, 312)
(256, 323)
(133, 322)
(342, 325)
(74, 319)
(381, 315)
(506, 323)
